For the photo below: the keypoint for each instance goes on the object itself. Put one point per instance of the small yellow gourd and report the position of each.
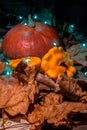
(56, 62)
(31, 61)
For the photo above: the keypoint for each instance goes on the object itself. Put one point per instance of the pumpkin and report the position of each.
(1, 45)
(29, 40)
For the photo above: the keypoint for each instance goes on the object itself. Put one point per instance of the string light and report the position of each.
(7, 71)
(41, 19)
(7, 61)
(35, 16)
(55, 44)
(45, 22)
(83, 44)
(26, 60)
(85, 73)
(24, 22)
(71, 28)
(20, 17)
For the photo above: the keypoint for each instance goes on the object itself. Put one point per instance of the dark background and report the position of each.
(74, 11)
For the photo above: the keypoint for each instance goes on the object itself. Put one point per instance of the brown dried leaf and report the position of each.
(42, 112)
(13, 96)
(33, 91)
(31, 73)
(78, 54)
(44, 79)
(54, 111)
(63, 110)
(25, 73)
(71, 88)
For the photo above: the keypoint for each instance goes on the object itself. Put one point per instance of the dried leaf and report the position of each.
(13, 96)
(14, 125)
(47, 81)
(78, 54)
(42, 112)
(70, 88)
(54, 111)
(24, 73)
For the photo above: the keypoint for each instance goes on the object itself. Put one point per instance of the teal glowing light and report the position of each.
(24, 22)
(85, 73)
(20, 17)
(35, 16)
(84, 44)
(55, 44)
(71, 28)
(7, 71)
(48, 22)
(7, 61)
(45, 22)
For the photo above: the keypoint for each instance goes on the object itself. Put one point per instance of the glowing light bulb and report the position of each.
(24, 22)
(45, 22)
(20, 17)
(85, 73)
(55, 44)
(7, 71)
(71, 28)
(35, 16)
(84, 44)
(7, 61)
(27, 60)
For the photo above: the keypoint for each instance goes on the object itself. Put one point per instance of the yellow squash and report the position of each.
(31, 61)
(56, 62)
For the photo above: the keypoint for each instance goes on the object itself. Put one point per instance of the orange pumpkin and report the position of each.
(23, 40)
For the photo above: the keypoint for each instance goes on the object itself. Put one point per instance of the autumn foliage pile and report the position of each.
(41, 99)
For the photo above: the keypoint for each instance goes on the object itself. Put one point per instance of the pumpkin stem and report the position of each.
(30, 21)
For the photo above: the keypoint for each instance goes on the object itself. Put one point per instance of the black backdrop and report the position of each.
(69, 10)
